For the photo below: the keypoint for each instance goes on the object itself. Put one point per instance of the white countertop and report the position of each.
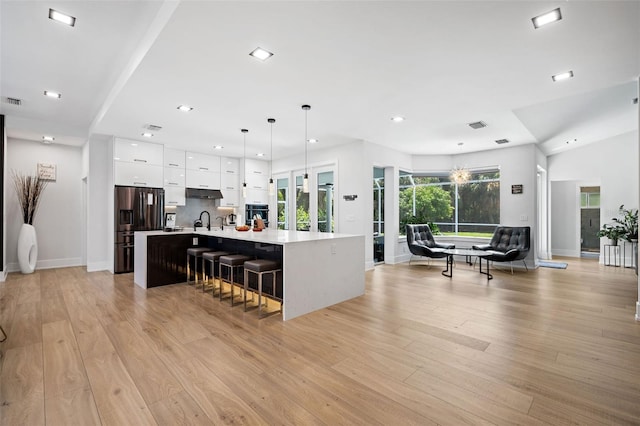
(271, 236)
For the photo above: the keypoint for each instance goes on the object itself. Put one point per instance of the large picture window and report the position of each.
(470, 209)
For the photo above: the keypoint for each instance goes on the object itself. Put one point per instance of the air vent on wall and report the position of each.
(478, 125)
(13, 101)
(153, 127)
(502, 141)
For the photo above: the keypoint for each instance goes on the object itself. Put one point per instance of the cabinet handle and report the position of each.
(231, 171)
(139, 160)
(257, 187)
(140, 183)
(204, 186)
(172, 202)
(257, 172)
(174, 164)
(203, 168)
(230, 187)
(172, 183)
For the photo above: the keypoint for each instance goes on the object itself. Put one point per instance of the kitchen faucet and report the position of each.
(208, 219)
(221, 222)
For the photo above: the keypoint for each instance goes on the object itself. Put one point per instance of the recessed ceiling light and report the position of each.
(185, 108)
(51, 94)
(477, 125)
(260, 154)
(313, 141)
(260, 53)
(62, 17)
(397, 119)
(562, 76)
(546, 18)
(48, 139)
(218, 147)
(502, 141)
(147, 135)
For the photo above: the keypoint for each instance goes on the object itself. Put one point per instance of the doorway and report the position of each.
(378, 215)
(589, 220)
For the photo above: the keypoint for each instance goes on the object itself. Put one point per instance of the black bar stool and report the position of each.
(196, 253)
(212, 257)
(233, 262)
(260, 267)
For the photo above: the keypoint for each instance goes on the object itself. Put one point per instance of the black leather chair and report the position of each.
(508, 243)
(421, 242)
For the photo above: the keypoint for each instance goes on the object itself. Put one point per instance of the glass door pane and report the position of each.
(302, 207)
(325, 202)
(283, 203)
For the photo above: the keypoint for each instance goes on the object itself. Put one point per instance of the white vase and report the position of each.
(27, 248)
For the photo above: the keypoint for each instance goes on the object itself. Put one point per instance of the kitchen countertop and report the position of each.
(271, 236)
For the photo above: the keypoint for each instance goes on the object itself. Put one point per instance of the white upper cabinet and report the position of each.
(230, 198)
(257, 174)
(134, 174)
(138, 152)
(203, 179)
(174, 177)
(174, 196)
(203, 162)
(230, 166)
(257, 196)
(174, 158)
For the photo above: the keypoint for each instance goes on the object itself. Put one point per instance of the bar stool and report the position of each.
(213, 257)
(260, 267)
(196, 253)
(233, 262)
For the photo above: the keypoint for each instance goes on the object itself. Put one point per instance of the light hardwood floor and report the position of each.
(544, 347)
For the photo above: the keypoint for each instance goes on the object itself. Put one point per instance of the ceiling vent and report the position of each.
(13, 101)
(502, 141)
(478, 125)
(153, 127)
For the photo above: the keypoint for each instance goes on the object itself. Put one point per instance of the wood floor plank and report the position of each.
(544, 346)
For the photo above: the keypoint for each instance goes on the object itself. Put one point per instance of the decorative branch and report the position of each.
(28, 189)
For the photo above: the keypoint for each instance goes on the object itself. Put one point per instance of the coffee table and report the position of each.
(468, 253)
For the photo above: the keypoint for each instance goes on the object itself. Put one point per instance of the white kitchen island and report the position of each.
(318, 269)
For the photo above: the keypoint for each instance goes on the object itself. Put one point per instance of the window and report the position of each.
(325, 202)
(283, 203)
(471, 209)
(303, 222)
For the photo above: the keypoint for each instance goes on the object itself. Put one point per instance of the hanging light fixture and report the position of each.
(305, 181)
(272, 188)
(460, 175)
(244, 166)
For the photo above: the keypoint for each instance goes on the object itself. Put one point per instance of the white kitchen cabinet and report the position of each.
(229, 182)
(130, 151)
(174, 177)
(257, 196)
(203, 162)
(174, 196)
(174, 158)
(202, 179)
(229, 166)
(230, 198)
(257, 175)
(134, 174)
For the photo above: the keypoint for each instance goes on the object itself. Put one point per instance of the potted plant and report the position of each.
(629, 223)
(29, 190)
(612, 231)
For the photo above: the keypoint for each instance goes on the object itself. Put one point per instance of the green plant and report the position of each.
(612, 231)
(629, 222)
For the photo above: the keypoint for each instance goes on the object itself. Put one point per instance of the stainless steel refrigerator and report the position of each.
(136, 209)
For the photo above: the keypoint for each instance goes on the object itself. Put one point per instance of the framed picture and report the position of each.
(47, 171)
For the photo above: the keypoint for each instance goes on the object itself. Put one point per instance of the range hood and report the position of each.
(212, 194)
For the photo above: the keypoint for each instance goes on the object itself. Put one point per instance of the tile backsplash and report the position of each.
(186, 215)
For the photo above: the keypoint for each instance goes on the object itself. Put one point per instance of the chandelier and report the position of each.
(460, 175)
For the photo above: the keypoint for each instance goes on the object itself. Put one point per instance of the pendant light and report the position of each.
(272, 188)
(244, 158)
(305, 181)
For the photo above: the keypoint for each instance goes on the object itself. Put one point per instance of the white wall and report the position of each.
(6, 177)
(99, 166)
(612, 164)
(59, 216)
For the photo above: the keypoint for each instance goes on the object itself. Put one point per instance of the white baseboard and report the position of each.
(567, 253)
(637, 311)
(48, 264)
(3, 275)
(99, 266)
(369, 265)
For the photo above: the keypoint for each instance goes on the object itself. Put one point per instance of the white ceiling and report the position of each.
(441, 65)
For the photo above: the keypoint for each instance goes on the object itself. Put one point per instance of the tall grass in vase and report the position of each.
(29, 189)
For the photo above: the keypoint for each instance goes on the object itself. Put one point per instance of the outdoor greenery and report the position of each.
(436, 199)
